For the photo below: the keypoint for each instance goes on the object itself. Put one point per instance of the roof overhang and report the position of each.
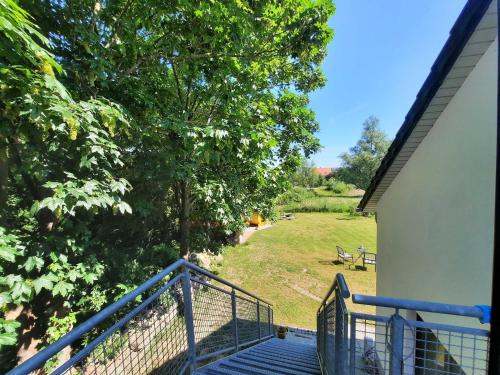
(471, 35)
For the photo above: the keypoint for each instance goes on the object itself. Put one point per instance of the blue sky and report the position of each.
(379, 57)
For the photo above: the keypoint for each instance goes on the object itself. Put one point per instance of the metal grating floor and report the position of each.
(274, 356)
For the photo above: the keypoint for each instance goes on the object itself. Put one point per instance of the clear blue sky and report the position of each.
(379, 57)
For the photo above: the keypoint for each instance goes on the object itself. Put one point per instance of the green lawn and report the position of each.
(291, 264)
(322, 200)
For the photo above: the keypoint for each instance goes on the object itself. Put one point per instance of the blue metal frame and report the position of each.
(332, 347)
(332, 322)
(38, 360)
(433, 307)
(103, 336)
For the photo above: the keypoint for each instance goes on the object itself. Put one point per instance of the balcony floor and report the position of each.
(274, 356)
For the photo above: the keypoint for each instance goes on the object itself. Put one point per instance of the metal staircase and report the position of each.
(274, 356)
(186, 320)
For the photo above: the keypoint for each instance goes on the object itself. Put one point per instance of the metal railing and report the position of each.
(388, 343)
(175, 322)
(332, 332)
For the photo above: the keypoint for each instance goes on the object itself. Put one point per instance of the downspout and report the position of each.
(494, 356)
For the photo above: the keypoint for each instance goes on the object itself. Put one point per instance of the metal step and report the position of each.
(274, 356)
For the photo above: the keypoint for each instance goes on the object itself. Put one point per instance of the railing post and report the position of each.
(339, 359)
(269, 320)
(345, 340)
(325, 336)
(397, 344)
(352, 348)
(319, 336)
(272, 321)
(318, 330)
(235, 320)
(258, 318)
(188, 316)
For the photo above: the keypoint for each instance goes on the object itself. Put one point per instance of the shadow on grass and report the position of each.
(347, 196)
(360, 268)
(354, 217)
(327, 262)
(357, 267)
(333, 262)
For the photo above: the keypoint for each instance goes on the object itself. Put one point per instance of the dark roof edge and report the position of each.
(464, 26)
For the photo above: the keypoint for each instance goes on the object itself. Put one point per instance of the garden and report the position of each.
(293, 263)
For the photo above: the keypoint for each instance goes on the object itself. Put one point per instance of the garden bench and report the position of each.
(344, 257)
(367, 257)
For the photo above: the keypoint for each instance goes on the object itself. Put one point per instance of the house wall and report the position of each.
(435, 221)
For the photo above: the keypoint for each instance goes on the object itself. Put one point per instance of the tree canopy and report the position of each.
(362, 161)
(144, 129)
(306, 176)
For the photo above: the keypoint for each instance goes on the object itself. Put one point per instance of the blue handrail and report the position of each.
(39, 359)
(339, 282)
(433, 307)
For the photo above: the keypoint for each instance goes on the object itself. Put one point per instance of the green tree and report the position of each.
(170, 117)
(217, 92)
(305, 176)
(362, 161)
(57, 161)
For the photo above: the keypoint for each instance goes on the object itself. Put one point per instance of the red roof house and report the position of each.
(324, 171)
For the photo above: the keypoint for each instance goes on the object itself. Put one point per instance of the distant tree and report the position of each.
(305, 175)
(361, 162)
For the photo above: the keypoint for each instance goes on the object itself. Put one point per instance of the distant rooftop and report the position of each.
(324, 171)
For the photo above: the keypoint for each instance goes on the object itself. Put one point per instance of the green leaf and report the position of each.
(90, 277)
(62, 288)
(73, 275)
(32, 263)
(8, 253)
(21, 292)
(12, 279)
(8, 339)
(43, 282)
(9, 326)
(124, 207)
(5, 298)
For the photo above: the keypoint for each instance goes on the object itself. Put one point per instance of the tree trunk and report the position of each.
(185, 220)
(31, 332)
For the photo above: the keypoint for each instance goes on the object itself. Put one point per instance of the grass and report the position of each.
(355, 194)
(322, 200)
(291, 263)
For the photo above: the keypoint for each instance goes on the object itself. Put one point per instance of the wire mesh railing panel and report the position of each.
(212, 317)
(332, 335)
(392, 345)
(330, 320)
(246, 314)
(152, 341)
(368, 341)
(423, 348)
(319, 333)
(162, 327)
(265, 326)
(442, 350)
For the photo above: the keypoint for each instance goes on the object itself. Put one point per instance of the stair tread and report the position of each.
(274, 356)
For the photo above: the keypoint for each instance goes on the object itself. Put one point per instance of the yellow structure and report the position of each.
(256, 219)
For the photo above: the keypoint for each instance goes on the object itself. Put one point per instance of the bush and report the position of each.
(319, 205)
(337, 186)
(299, 199)
(295, 195)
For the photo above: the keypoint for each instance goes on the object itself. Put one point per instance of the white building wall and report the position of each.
(435, 221)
